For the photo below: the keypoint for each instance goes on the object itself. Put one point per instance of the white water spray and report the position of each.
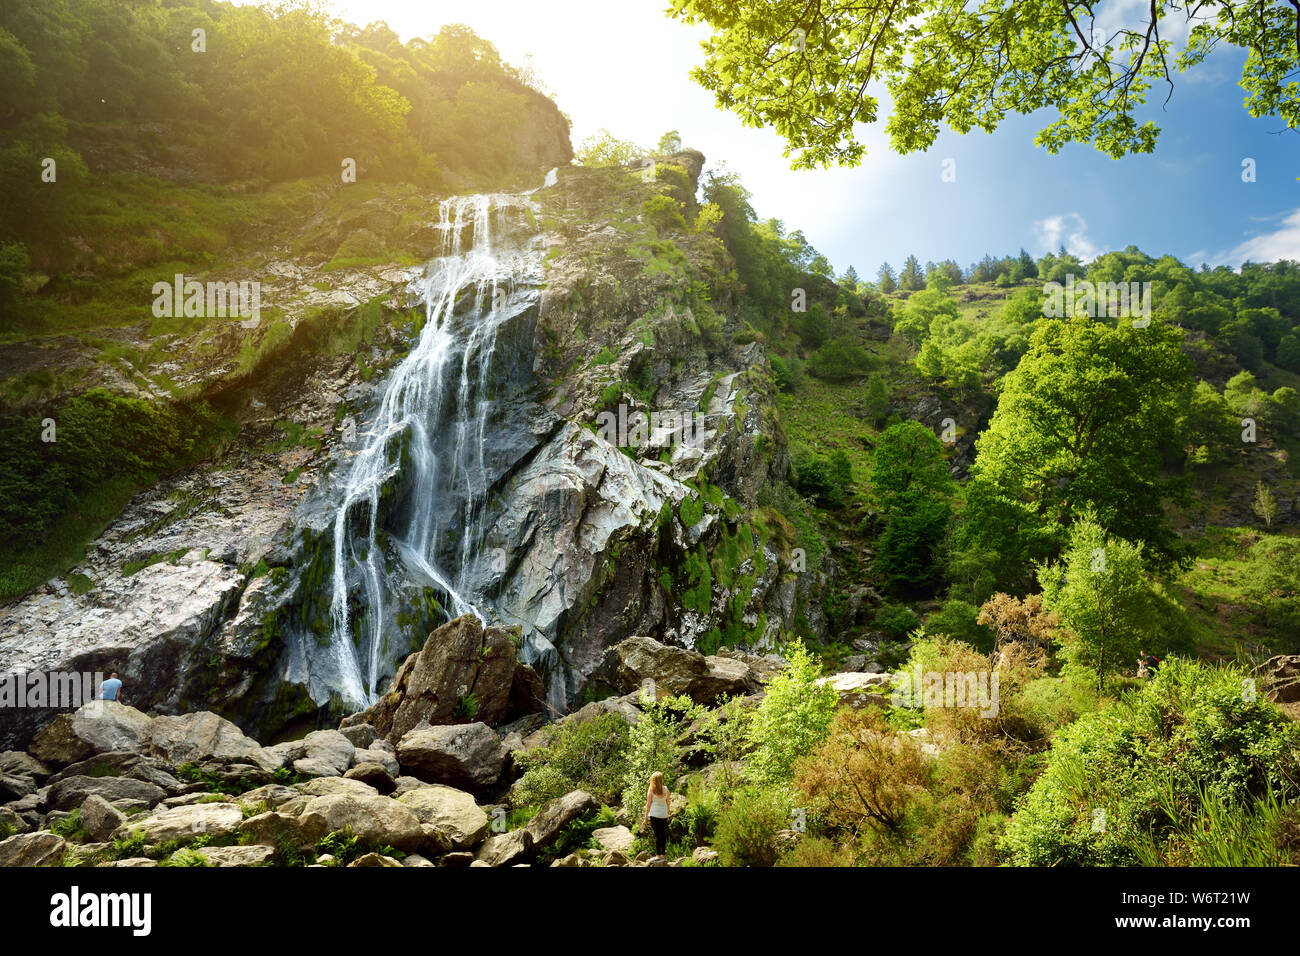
(432, 420)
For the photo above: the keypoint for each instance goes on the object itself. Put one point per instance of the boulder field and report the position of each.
(418, 779)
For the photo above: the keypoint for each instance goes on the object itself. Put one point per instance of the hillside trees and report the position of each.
(910, 480)
(1081, 420)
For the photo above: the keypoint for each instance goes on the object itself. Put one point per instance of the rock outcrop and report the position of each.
(464, 672)
(641, 663)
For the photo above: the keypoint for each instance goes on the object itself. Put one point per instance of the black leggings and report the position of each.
(660, 826)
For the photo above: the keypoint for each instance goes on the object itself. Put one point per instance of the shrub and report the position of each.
(652, 746)
(959, 620)
(664, 213)
(840, 360)
(748, 832)
(590, 755)
(1127, 781)
(824, 478)
(897, 621)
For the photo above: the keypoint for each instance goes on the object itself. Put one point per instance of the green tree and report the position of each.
(1109, 605)
(652, 746)
(670, 142)
(793, 718)
(911, 278)
(809, 71)
(885, 276)
(915, 315)
(603, 148)
(911, 481)
(1082, 420)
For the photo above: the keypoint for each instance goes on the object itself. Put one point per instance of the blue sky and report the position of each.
(624, 65)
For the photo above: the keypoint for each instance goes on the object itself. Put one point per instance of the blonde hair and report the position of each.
(657, 782)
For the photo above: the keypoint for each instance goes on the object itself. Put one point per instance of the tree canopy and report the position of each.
(809, 70)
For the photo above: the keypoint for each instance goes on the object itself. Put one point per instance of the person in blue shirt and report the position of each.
(111, 689)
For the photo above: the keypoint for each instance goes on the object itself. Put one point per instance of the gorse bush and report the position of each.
(1125, 781)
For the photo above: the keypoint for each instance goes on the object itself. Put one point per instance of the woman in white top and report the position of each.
(656, 812)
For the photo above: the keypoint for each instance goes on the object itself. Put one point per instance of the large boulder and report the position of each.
(639, 662)
(617, 838)
(123, 764)
(453, 813)
(97, 727)
(377, 821)
(278, 830)
(326, 753)
(204, 736)
(22, 764)
(332, 786)
(236, 855)
(468, 756)
(33, 849)
(549, 822)
(99, 818)
(71, 792)
(463, 671)
(187, 824)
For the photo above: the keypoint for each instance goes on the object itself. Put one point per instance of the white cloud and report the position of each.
(1070, 229)
(1282, 243)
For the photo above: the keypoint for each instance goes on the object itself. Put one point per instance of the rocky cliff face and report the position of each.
(577, 535)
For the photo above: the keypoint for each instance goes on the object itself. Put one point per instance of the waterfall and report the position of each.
(430, 436)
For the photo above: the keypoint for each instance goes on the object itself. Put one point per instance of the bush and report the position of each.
(1128, 782)
(13, 271)
(897, 621)
(794, 717)
(957, 619)
(840, 360)
(748, 832)
(815, 851)
(652, 746)
(824, 478)
(589, 755)
(664, 213)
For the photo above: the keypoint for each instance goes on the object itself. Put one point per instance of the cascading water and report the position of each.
(434, 436)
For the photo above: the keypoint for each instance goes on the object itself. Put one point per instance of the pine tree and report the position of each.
(911, 278)
(886, 276)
